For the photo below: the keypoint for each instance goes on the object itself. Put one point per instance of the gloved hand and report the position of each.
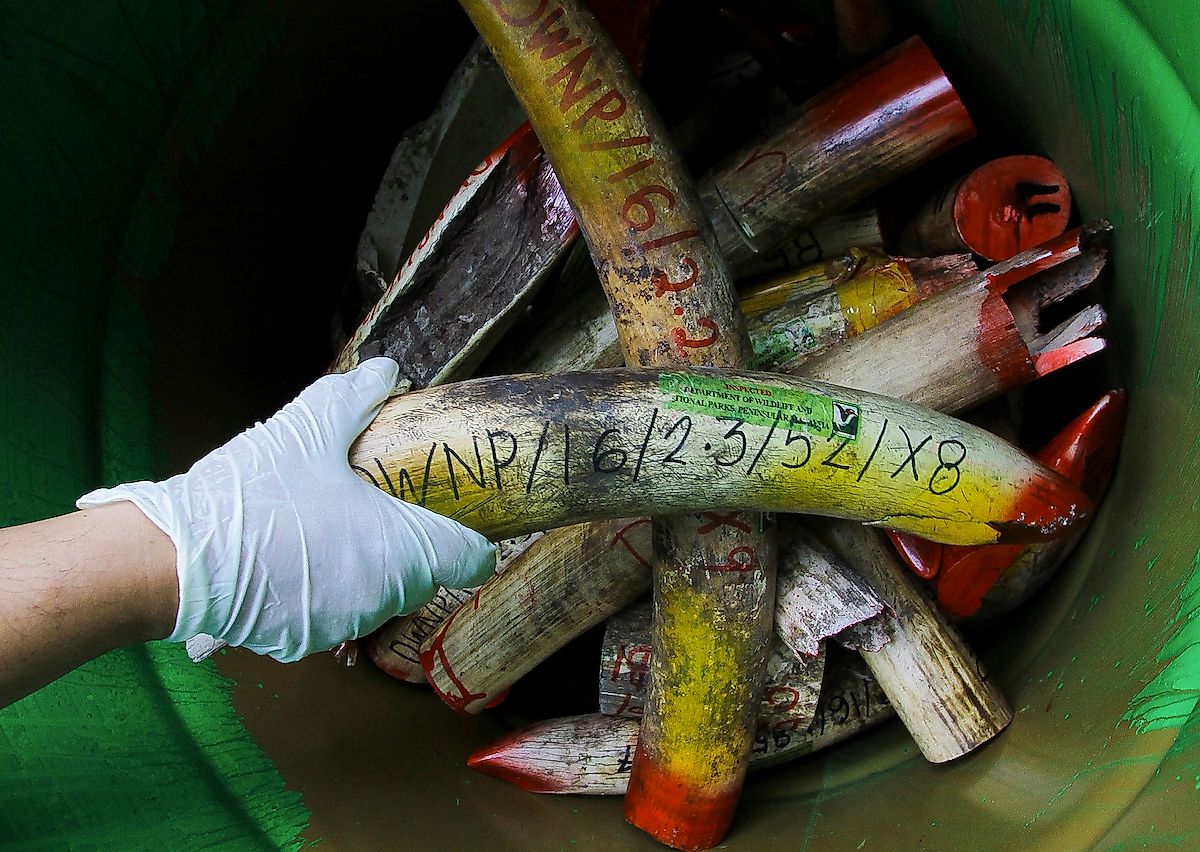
(282, 549)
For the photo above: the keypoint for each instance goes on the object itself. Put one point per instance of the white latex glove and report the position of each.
(282, 549)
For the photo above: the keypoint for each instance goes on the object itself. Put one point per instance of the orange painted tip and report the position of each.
(509, 759)
(970, 574)
(674, 812)
(1084, 452)
(923, 557)
(1055, 359)
(1047, 506)
(1011, 204)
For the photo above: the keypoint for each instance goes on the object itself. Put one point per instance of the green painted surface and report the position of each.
(1135, 85)
(1103, 672)
(102, 102)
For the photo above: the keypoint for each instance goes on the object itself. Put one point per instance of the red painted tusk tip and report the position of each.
(499, 761)
(923, 557)
(1056, 359)
(1047, 507)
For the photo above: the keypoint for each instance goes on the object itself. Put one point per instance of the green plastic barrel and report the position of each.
(180, 184)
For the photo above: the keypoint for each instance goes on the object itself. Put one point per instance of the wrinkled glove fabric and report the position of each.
(282, 549)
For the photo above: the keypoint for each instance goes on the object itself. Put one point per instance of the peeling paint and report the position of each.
(1142, 149)
(1169, 699)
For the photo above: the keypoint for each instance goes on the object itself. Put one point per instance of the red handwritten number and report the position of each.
(741, 558)
(640, 199)
(782, 698)
(766, 182)
(663, 284)
(682, 341)
(634, 659)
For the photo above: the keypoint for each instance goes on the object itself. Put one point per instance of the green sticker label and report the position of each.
(763, 405)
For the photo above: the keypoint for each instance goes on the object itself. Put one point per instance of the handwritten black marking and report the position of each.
(766, 441)
(829, 459)
(537, 456)
(741, 436)
(874, 450)
(492, 435)
(792, 437)
(671, 457)
(637, 469)
(597, 456)
(912, 455)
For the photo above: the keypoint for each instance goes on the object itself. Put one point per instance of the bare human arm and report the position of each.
(77, 586)
(269, 542)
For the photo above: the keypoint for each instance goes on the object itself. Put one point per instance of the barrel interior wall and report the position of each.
(240, 319)
(260, 263)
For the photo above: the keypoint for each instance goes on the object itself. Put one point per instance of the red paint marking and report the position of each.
(1044, 509)
(1056, 359)
(678, 312)
(1055, 251)
(620, 536)
(434, 655)
(639, 199)
(1011, 204)
(573, 93)
(663, 284)
(1084, 452)
(674, 811)
(610, 144)
(530, 599)
(633, 660)
(391, 663)
(717, 520)
(734, 563)
(608, 107)
(676, 237)
(628, 171)
(683, 342)
(504, 759)
(922, 556)
(551, 43)
(968, 576)
(999, 345)
(789, 694)
(499, 698)
(627, 707)
(768, 180)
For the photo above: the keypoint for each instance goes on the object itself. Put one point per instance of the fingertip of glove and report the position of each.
(474, 564)
(381, 370)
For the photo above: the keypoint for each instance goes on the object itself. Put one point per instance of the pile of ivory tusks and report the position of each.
(853, 433)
